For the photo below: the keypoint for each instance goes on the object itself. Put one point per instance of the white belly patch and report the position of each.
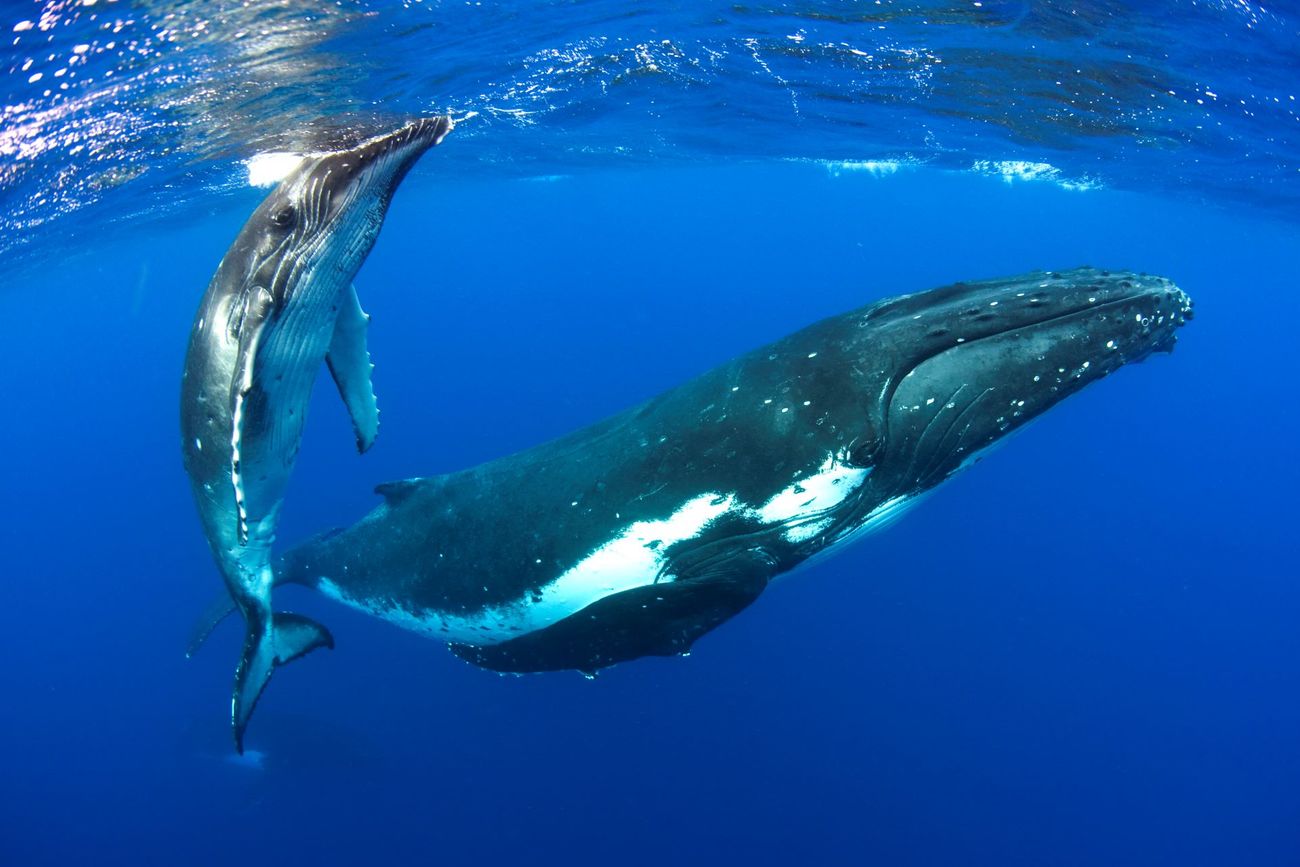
(634, 558)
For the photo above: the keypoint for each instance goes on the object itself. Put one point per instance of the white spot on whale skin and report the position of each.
(804, 532)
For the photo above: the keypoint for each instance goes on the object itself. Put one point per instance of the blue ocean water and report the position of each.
(1082, 651)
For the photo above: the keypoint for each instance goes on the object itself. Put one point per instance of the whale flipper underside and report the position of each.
(662, 619)
(349, 364)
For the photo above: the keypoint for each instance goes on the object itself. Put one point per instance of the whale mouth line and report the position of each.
(964, 343)
(1128, 328)
(1058, 318)
(408, 141)
(268, 168)
(1160, 333)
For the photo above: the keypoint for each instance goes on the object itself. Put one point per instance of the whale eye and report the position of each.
(285, 217)
(865, 451)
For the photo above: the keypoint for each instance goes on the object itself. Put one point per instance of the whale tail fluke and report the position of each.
(223, 605)
(289, 637)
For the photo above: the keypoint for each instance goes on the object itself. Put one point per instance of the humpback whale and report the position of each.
(639, 534)
(643, 532)
(280, 303)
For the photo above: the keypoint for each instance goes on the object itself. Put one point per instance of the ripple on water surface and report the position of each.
(112, 103)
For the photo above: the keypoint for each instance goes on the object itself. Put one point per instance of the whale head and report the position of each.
(967, 365)
(317, 226)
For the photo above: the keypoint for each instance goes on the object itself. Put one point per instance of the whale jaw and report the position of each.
(1009, 352)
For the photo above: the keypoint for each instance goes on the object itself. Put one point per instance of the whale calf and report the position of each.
(639, 534)
(280, 303)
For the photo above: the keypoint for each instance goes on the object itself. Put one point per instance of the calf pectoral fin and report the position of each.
(257, 308)
(661, 619)
(218, 610)
(349, 363)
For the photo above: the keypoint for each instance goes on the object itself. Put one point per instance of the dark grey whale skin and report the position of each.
(998, 353)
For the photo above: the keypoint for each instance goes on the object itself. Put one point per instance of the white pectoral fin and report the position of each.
(349, 363)
(257, 307)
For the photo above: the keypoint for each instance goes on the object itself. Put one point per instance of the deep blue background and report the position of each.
(1084, 651)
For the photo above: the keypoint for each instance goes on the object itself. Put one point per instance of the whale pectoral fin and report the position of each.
(218, 610)
(290, 636)
(349, 363)
(256, 311)
(662, 619)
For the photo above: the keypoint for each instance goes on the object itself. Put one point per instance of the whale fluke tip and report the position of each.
(289, 637)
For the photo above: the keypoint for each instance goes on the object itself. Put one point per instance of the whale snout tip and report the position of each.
(407, 141)
(1170, 309)
(1182, 307)
(390, 155)
(426, 130)
(438, 126)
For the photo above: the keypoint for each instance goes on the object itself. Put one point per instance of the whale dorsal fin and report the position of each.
(396, 492)
(349, 363)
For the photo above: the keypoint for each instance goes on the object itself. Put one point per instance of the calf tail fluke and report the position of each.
(287, 637)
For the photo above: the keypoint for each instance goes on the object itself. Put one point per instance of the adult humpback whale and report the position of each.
(641, 533)
(281, 302)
